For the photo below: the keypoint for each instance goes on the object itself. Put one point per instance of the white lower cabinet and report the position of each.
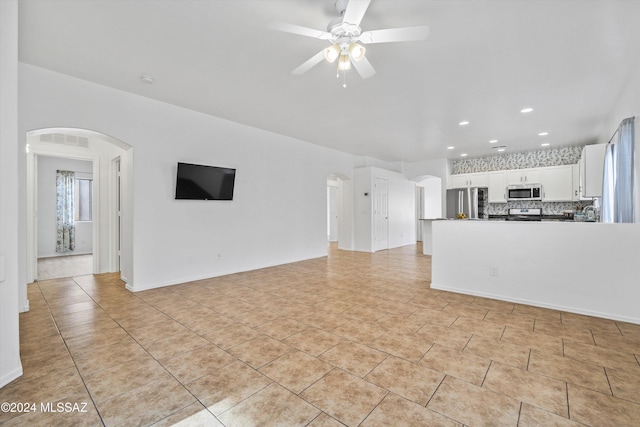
(497, 187)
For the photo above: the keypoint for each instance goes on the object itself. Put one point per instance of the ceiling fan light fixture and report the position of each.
(357, 51)
(344, 64)
(332, 53)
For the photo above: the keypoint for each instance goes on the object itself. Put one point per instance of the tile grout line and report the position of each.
(75, 365)
(436, 391)
(604, 368)
(486, 373)
(566, 386)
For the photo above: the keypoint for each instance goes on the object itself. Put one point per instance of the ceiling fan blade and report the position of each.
(285, 27)
(364, 68)
(355, 11)
(395, 35)
(309, 64)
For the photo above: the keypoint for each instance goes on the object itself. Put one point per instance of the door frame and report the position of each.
(115, 215)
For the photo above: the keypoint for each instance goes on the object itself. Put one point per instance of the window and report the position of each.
(83, 197)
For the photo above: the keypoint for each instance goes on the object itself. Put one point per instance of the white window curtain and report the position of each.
(65, 189)
(618, 193)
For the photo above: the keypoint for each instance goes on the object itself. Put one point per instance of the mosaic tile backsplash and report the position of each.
(548, 208)
(532, 159)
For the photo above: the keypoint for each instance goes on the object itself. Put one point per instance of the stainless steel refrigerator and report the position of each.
(469, 201)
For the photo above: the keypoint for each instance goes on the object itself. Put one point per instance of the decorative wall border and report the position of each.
(531, 159)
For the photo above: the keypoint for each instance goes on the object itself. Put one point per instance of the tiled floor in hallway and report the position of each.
(350, 339)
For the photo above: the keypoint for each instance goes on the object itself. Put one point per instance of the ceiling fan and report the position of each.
(346, 38)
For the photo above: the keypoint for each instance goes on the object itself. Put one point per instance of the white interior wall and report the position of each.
(587, 268)
(10, 366)
(363, 210)
(345, 214)
(47, 221)
(278, 214)
(438, 168)
(432, 199)
(402, 214)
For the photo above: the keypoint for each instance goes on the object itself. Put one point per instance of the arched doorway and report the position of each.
(111, 166)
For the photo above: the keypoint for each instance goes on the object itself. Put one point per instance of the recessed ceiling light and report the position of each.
(463, 155)
(546, 144)
(463, 123)
(543, 134)
(501, 149)
(493, 141)
(147, 79)
(450, 148)
(526, 110)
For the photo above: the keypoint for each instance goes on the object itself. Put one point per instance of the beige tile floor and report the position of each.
(350, 339)
(64, 266)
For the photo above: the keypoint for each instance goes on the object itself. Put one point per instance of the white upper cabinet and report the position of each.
(459, 181)
(557, 183)
(465, 180)
(523, 176)
(497, 187)
(591, 170)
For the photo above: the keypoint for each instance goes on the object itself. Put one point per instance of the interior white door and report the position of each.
(381, 214)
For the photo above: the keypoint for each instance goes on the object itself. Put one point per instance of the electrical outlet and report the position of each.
(493, 270)
(189, 259)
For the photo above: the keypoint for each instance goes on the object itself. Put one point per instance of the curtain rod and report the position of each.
(614, 134)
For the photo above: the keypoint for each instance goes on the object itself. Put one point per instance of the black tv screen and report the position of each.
(200, 182)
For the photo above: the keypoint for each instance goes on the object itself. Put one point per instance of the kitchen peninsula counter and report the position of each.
(580, 267)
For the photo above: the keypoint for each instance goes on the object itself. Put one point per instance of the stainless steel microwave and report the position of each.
(524, 192)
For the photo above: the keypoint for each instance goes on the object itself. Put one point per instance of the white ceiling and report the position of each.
(483, 62)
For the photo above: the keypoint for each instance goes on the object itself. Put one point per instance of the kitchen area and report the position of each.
(561, 192)
(534, 236)
(566, 188)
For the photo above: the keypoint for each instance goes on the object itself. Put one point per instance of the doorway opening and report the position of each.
(64, 202)
(89, 241)
(339, 212)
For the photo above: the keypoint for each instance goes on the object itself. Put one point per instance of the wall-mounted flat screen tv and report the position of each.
(200, 182)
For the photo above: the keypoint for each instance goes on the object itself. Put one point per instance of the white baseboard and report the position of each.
(24, 308)
(10, 376)
(576, 310)
(211, 275)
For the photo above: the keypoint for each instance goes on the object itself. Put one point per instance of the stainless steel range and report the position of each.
(530, 214)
